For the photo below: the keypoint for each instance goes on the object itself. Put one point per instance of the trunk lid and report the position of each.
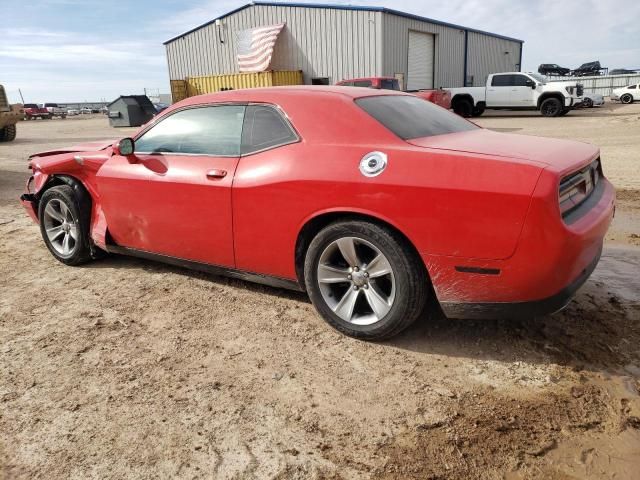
(558, 155)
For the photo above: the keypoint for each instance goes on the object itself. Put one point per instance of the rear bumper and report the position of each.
(515, 310)
(553, 259)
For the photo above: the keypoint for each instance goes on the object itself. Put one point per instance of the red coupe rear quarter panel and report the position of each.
(446, 203)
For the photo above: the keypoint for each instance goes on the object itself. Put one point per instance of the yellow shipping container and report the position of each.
(191, 86)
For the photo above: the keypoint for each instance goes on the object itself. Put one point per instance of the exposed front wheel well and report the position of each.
(316, 224)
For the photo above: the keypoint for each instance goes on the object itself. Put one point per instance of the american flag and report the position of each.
(255, 47)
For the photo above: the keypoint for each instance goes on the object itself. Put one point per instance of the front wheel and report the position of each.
(551, 107)
(564, 112)
(64, 225)
(626, 98)
(365, 280)
(8, 133)
(587, 103)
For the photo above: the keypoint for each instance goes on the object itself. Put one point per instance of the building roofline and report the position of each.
(344, 7)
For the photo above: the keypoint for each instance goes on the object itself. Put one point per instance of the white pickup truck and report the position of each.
(517, 91)
(55, 111)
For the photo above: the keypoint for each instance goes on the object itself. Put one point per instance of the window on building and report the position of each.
(265, 127)
(320, 81)
(213, 130)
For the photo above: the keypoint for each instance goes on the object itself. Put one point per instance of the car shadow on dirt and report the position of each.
(597, 331)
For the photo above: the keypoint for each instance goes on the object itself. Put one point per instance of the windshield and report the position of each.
(412, 117)
(539, 78)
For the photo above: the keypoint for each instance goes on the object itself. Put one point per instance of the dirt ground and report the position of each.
(125, 368)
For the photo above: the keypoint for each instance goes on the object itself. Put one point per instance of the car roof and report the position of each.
(274, 94)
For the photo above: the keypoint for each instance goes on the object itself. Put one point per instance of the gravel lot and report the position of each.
(130, 369)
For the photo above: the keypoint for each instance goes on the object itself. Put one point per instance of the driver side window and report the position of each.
(519, 80)
(212, 130)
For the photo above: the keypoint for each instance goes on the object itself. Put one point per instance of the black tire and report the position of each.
(477, 111)
(564, 112)
(80, 211)
(463, 107)
(409, 275)
(551, 107)
(626, 98)
(8, 133)
(587, 103)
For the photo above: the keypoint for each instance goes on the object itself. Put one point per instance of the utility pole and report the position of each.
(21, 97)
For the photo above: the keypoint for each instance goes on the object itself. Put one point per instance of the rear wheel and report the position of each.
(365, 280)
(8, 133)
(64, 225)
(463, 107)
(551, 107)
(478, 110)
(626, 98)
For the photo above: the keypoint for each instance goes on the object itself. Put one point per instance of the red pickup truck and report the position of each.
(32, 112)
(439, 97)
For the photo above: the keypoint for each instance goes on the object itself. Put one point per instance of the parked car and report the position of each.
(54, 110)
(628, 94)
(367, 199)
(621, 71)
(587, 70)
(72, 112)
(553, 69)
(591, 99)
(85, 111)
(517, 91)
(33, 111)
(385, 83)
(439, 97)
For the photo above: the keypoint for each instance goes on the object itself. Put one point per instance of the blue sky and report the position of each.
(76, 50)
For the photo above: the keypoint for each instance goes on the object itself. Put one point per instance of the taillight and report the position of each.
(575, 188)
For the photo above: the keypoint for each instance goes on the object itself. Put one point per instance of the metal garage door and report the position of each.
(420, 71)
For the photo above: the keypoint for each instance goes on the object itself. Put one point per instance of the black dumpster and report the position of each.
(130, 111)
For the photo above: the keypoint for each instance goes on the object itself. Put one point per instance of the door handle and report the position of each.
(215, 173)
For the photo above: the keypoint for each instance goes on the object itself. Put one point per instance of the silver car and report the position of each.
(591, 99)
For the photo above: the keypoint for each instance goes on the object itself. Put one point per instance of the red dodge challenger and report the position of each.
(372, 201)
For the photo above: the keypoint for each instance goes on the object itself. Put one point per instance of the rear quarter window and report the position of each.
(412, 117)
(265, 128)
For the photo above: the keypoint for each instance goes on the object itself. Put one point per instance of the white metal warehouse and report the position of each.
(329, 43)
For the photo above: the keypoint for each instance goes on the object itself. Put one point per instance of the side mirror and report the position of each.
(125, 147)
(531, 83)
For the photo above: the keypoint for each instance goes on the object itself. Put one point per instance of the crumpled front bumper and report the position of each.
(30, 204)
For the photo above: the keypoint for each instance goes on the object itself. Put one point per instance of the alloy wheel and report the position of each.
(356, 280)
(61, 228)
